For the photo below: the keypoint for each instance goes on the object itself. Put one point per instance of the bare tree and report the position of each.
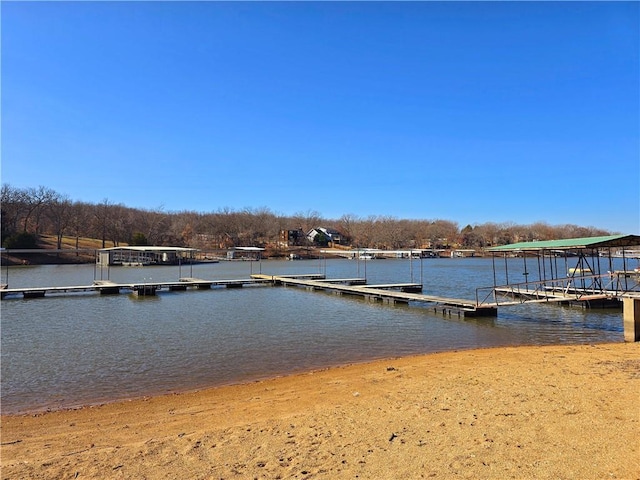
(42, 210)
(363, 232)
(80, 214)
(346, 224)
(161, 232)
(442, 233)
(35, 203)
(307, 220)
(262, 225)
(12, 201)
(121, 224)
(60, 215)
(102, 219)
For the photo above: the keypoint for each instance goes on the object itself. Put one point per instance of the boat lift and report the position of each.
(567, 271)
(593, 272)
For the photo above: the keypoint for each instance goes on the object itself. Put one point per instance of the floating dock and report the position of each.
(107, 287)
(387, 293)
(391, 293)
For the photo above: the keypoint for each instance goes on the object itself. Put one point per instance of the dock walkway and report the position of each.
(561, 296)
(386, 293)
(389, 293)
(107, 287)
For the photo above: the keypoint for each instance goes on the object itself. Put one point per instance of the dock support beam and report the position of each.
(145, 290)
(34, 294)
(631, 315)
(109, 290)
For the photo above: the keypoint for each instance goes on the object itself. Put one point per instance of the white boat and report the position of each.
(579, 271)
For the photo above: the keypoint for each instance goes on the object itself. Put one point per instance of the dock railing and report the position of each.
(614, 285)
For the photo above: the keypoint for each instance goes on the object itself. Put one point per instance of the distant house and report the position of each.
(332, 236)
(291, 238)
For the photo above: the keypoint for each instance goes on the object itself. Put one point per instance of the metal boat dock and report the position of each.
(580, 281)
(387, 293)
(106, 287)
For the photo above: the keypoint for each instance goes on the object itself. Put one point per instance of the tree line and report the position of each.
(28, 213)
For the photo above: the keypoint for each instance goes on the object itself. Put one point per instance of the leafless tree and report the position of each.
(121, 225)
(345, 225)
(59, 213)
(80, 215)
(13, 201)
(33, 210)
(102, 219)
(307, 220)
(442, 233)
(35, 202)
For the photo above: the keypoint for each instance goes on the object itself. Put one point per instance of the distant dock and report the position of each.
(106, 287)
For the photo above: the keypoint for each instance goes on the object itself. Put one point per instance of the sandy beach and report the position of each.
(561, 412)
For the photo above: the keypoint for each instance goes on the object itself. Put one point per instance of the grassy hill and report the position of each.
(84, 254)
(49, 242)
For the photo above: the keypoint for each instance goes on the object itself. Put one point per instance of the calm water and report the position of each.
(71, 350)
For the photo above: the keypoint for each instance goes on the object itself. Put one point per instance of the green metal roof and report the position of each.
(615, 241)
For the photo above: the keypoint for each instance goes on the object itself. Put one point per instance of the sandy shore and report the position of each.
(529, 412)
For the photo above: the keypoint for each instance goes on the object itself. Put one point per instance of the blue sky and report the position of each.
(472, 112)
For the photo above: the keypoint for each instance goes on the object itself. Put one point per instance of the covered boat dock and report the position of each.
(590, 271)
(137, 256)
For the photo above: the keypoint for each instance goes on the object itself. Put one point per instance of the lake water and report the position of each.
(65, 351)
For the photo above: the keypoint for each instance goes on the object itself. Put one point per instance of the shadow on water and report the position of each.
(144, 298)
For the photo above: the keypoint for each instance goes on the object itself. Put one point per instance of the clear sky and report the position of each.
(472, 112)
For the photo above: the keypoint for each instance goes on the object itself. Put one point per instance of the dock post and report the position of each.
(631, 315)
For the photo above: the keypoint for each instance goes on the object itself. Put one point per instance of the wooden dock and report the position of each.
(390, 293)
(107, 287)
(386, 293)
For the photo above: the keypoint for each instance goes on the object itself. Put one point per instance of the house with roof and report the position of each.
(324, 236)
(291, 238)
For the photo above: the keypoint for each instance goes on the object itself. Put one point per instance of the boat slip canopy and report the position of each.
(613, 241)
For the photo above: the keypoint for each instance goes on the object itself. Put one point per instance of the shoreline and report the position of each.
(142, 397)
(102, 402)
(36, 411)
(560, 411)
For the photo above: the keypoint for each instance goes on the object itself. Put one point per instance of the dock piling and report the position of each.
(631, 319)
